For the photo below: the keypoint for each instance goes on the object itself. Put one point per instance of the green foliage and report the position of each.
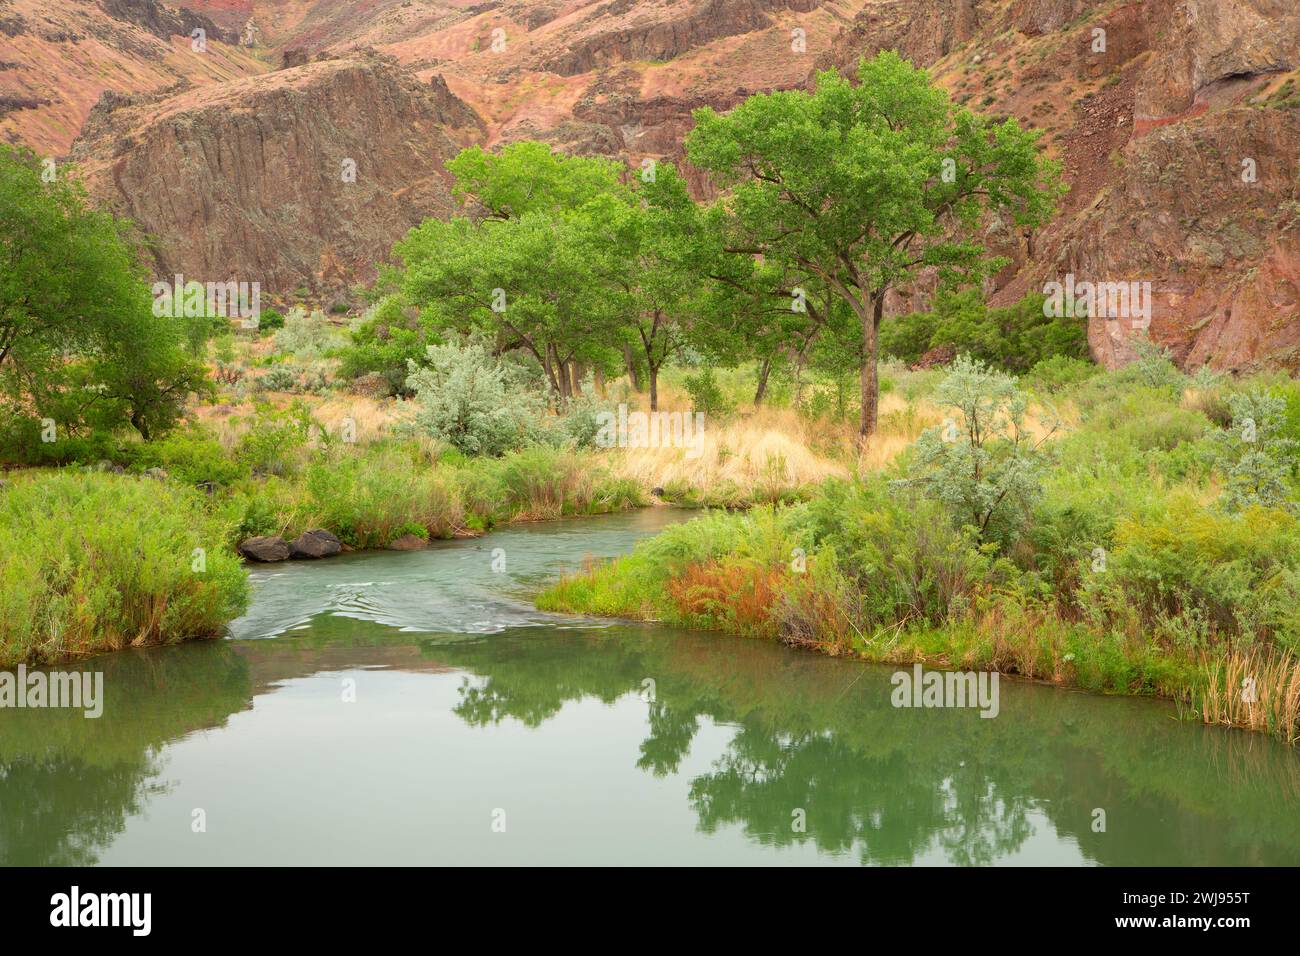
(1254, 453)
(93, 562)
(275, 439)
(79, 341)
(385, 343)
(1154, 368)
(983, 463)
(271, 320)
(192, 457)
(1058, 372)
(527, 177)
(854, 188)
(1013, 339)
(707, 395)
(306, 336)
(908, 337)
(906, 560)
(1194, 576)
(472, 400)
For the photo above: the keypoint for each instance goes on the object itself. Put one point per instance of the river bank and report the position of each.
(853, 574)
(94, 561)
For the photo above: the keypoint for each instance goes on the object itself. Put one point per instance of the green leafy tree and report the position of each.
(79, 342)
(650, 254)
(523, 284)
(528, 177)
(862, 186)
(523, 275)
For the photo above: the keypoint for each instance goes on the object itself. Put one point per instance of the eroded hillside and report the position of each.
(1177, 123)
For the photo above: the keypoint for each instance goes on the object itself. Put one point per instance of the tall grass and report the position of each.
(93, 562)
(372, 495)
(1256, 689)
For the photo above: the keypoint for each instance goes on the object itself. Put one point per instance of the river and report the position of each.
(415, 708)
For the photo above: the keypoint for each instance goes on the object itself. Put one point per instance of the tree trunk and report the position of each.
(138, 423)
(632, 372)
(598, 380)
(549, 369)
(566, 390)
(576, 377)
(654, 387)
(763, 371)
(870, 316)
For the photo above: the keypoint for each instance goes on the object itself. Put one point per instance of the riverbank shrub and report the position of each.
(92, 562)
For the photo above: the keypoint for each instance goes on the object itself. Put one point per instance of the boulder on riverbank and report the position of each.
(316, 543)
(264, 548)
(408, 542)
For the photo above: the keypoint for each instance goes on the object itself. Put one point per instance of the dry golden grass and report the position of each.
(761, 447)
(371, 418)
(768, 445)
(1256, 689)
(899, 424)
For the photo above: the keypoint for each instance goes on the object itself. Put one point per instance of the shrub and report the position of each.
(905, 560)
(386, 342)
(1193, 576)
(271, 320)
(306, 336)
(472, 400)
(982, 464)
(707, 395)
(92, 562)
(1131, 422)
(275, 440)
(1059, 372)
(192, 457)
(1013, 338)
(280, 378)
(1254, 453)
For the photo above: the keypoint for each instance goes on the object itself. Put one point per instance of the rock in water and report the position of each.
(408, 542)
(316, 543)
(264, 548)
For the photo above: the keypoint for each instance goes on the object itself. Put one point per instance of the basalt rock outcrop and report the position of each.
(300, 177)
(60, 56)
(313, 544)
(265, 548)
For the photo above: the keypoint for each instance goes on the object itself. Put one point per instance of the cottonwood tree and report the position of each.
(524, 283)
(650, 251)
(861, 186)
(528, 177)
(78, 339)
(521, 271)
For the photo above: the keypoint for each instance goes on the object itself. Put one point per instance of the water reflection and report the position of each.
(609, 744)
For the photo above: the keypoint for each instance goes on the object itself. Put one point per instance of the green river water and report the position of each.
(414, 708)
